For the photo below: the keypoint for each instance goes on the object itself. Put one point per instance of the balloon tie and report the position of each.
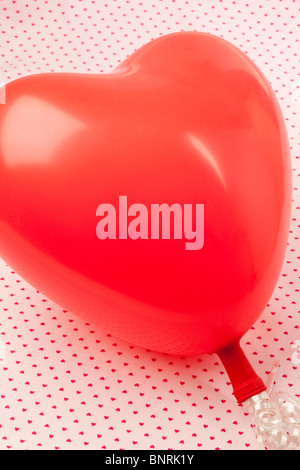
(276, 417)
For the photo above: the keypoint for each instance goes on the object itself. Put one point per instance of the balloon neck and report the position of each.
(245, 382)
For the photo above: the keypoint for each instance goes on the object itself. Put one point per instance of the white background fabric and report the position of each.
(63, 384)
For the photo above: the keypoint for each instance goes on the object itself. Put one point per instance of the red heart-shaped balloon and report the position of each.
(189, 120)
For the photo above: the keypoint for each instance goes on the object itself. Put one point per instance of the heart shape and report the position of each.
(188, 119)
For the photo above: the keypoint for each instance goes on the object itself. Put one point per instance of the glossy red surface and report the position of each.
(187, 119)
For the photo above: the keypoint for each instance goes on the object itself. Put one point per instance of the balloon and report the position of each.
(86, 161)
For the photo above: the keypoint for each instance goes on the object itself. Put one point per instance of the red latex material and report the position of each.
(244, 380)
(187, 119)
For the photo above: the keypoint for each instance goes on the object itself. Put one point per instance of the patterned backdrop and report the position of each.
(66, 385)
